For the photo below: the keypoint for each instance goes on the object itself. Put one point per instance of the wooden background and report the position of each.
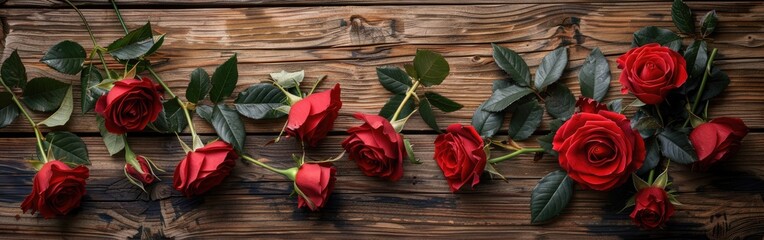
(346, 40)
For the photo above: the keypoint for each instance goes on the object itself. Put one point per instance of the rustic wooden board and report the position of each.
(724, 204)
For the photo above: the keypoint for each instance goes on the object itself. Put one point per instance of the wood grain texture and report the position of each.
(723, 204)
(248, 3)
(348, 43)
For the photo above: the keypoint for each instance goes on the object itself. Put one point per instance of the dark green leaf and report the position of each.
(171, 119)
(205, 112)
(114, 143)
(502, 98)
(661, 36)
(647, 123)
(653, 155)
(715, 85)
(682, 17)
(442, 103)
(199, 86)
(66, 147)
(13, 72)
(594, 76)
(65, 57)
(134, 45)
(410, 70)
(61, 116)
(487, 123)
(431, 67)
(696, 56)
(525, 119)
(676, 146)
(394, 79)
(388, 110)
(158, 41)
(8, 109)
(425, 110)
(550, 196)
(499, 84)
(512, 64)
(44, 94)
(551, 67)
(708, 23)
(615, 105)
(224, 80)
(546, 141)
(89, 80)
(261, 101)
(560, 103)
(229, 126)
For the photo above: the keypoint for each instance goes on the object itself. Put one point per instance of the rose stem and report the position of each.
(650, 178)
(515, 154)
(98, 49)
(160, 81)
(702, 85)
(37, 133)
(410, 92)
(289, 173)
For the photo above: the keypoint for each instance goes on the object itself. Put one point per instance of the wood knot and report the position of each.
(363, 31)
(569, 32)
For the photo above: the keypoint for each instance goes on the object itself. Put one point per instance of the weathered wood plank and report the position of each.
(347, 43)
(242, 3)
(722, 204)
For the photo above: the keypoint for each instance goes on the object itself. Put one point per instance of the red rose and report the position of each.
(130, 105)
(460, 155)
(204, 168)
(717, 140)
(651, 71)
(653, 208)
(316, 182)
(146, 177)
(311, 118)
(57, 189)
(589, 105)
(599, 150)
(376, 147)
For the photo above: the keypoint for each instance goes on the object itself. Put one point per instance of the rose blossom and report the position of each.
(717, 140)
(57, 189)
(311, 118)
(204, 168)
(146, 177)
(460, 155)
(130, 105)
(376, 147)
(316, 182)
(651, 71)
(652, 209)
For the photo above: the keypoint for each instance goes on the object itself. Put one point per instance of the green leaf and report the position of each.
(682, 17)
(261, 101)
(708, 23)
(199, 86)
(288, 79)
(61, 116)
(224, 80)
(204, 112)
(551, 67)
(171, 119)
(388, 110)
(487, 123)
(502, 98)
(114, 143)
(715, 85)
(229, 126)
(696, 56)
(8, 109)
(410, 152)
(654, 34)
(550, 196)
(90, 78)
(442, 103)
(134, 45)
(44, 94)
(676, 146)
(65, 57)
(615, 105)
(525, 119)
(431, 67)
(66, 147)
(560, 103)
(425, 110)
(13, 72)
(653, 155)
(647, 123)
(499, 84)
(594, 76)
(410, 70)
(158, 41)
(512, 64)
(394, 79)
(546, 141)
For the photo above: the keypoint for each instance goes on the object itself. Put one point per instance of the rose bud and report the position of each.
(376, 147)
(599, 150)
(316, 182)
(651, 71)
(653, 208)
(589, 105)
(57, 189)
(313, 117)
(130, 105)
(717, 140)
(460, 155)
(145, 176)
(204, 168)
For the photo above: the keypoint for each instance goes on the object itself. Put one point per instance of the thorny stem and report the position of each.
(702, 85)
(410, 92)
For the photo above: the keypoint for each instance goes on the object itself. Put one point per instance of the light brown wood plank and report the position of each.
(241, 3)
(329, 41)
